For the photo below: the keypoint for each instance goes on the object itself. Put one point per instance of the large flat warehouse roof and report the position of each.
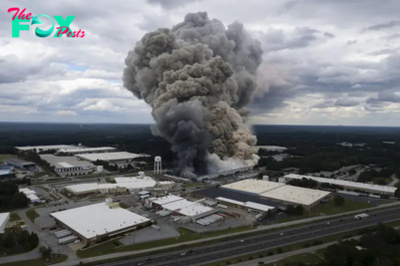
(195, 209)
(17, 161)
(65, 161)
(177, 205)
(45, 147)
(346, 183)
(254, 186)
(109, 156)
(248, 204)
(98, 219)
(86, 149)
(166, 199)
(89, 187)
(234, 195)
(4, 218)
(135, 182)
(296, 195)
(123, 182)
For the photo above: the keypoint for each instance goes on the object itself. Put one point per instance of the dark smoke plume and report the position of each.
(198, 77)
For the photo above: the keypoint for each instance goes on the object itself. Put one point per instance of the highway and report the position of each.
(264, 241)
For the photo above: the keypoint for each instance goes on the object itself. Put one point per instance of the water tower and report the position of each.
(157, 165)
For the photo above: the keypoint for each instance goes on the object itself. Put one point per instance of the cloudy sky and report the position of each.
(331, 62)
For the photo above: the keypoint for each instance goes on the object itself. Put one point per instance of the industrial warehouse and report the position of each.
(85, 150)
(183, 210)
(273, 192)
(279, 192)
(20, 164)
(45, 148)
(6, 171)
(67, 165)
(121, 159)
(4, 218)
(30, 194)
(133, 184)
(84, 222)
(348, 185)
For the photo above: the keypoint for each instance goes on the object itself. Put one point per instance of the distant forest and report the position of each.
(314, 146)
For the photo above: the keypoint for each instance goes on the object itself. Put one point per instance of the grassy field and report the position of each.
(6, 156)
(14, 217)
(193, 184)
(36, 262)
(306, 258)
(382, 181)
(41, 174)
(186, 235)
(124, 205)
(99, 198)
(110, 180)
(330, 208)
(32, 214)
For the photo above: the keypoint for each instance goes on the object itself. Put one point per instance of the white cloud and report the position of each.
(65, 112)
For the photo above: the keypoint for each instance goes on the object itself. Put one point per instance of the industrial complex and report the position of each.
(117, 205)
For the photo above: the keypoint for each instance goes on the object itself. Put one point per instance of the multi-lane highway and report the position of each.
(264, 241)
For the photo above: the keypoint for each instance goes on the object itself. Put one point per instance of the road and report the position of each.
(278, 257)
(395, 180)
(266, 241)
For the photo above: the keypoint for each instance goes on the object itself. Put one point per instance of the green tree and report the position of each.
(289, 209)
(298, 210)
(397, 193)
(19, 200)
(33, 240)
(9, 240)
(46, 252)
(339, 200)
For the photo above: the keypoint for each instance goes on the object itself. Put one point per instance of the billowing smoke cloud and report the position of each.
(198, 77)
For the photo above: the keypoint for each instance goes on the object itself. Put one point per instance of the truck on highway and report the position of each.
(361, 216)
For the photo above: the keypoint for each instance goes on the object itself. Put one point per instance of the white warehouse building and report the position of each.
(121, 159)
(4, 218)
(178, 206)
(68, 165)
(30, 194)
(86, 150)
(348, 185)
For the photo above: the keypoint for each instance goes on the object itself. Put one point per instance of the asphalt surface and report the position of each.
(266, 241)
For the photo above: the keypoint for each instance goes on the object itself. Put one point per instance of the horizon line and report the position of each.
(145, 124)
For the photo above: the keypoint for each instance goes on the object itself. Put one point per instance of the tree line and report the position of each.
(11, 198)
(16, 240)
